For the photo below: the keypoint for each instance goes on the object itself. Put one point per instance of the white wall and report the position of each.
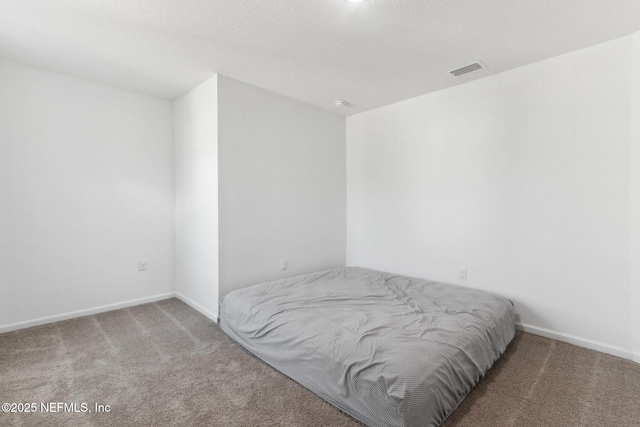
(282, 186)
(196, 159)
(86, 189)
(634, 190)
(522, 177)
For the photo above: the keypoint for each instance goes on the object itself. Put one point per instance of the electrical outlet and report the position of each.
(142, 264)
(462, 273)
(283, 264)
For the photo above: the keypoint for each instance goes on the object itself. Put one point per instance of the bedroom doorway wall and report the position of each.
(282, 191)
(259, 177)
(195, 117)
(634, 191)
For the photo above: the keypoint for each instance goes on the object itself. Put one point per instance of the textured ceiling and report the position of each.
(316, 51)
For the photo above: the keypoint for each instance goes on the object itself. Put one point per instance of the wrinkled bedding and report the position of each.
(388, 350)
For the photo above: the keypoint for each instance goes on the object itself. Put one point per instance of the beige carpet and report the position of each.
(165, 364)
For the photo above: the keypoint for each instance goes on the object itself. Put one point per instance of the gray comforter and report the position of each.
(388, 350)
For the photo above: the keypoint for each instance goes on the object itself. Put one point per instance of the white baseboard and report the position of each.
(579, 341)
(81, 313)
(548, 333)
(198, 307)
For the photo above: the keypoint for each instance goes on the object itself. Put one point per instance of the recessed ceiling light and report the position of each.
(354, 1)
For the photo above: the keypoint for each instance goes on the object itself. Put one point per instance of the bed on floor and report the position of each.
(386, 349)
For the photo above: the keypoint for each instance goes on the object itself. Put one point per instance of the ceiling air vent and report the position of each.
(466, 69)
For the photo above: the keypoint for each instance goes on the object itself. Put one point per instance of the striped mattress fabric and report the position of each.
(389, 350)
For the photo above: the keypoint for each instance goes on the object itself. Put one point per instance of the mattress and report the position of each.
(388, 350)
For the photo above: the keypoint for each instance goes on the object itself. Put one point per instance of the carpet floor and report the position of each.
(166, 364)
